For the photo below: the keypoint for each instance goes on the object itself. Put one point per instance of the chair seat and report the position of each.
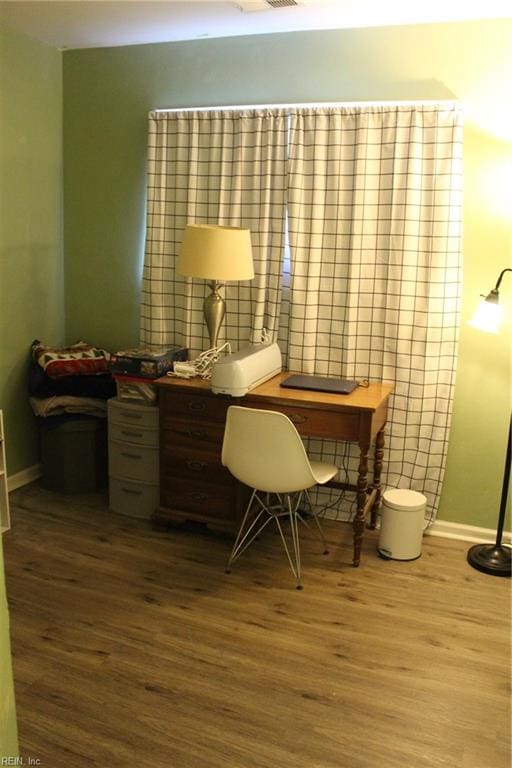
(323, 471)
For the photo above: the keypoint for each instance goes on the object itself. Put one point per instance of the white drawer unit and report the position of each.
(133, 498)
(133, 458)
(131, 433)
(133, 461)
(130, 414)
(5, 522)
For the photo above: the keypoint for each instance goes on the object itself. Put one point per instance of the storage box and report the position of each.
(147, 363)
(74, 455)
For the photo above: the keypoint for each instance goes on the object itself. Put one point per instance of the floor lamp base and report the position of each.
(491, 558)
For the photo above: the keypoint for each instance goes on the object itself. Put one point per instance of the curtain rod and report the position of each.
(387, 103)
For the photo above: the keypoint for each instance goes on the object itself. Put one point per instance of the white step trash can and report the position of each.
(402, 523)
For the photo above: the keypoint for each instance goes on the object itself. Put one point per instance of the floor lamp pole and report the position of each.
(495, 559)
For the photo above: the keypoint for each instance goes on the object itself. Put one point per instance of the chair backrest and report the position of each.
(264, 450)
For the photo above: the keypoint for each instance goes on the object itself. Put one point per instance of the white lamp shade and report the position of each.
(488, 317)
(213, 252)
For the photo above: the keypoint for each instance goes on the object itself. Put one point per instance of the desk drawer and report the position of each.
(193, 436)
(317, 423)
(205, 501)
(198, 466)
(192, 407)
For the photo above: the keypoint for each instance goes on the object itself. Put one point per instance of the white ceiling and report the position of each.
(102, 23)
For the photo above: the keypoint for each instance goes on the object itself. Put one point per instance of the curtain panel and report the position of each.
(369, 198)
(374, 207)
(213, 167)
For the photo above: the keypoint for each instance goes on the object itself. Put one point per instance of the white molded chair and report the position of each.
(263, 450)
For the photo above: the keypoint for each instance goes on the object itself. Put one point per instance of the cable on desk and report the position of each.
(202, 365)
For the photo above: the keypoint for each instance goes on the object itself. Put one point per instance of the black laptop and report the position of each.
(320, 384)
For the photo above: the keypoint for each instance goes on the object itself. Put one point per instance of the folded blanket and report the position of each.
(76, 360)
(53, 406)
(86, 385)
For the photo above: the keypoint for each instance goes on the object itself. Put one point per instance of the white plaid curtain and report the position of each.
(213, 167)
(375, 250)
(373, 200)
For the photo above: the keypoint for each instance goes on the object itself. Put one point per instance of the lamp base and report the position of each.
(493, 559)
(214, 309)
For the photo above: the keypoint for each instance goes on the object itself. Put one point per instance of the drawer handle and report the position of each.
(197, 466)
(131, 455)
(132, 491)
(129, 415)
(131, 434)
(199, 433)
(196, 406)
(298, 418)
(198, 496)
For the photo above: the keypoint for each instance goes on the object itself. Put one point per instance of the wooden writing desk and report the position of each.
(195, 485)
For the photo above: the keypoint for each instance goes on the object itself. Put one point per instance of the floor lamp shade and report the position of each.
(217, 254)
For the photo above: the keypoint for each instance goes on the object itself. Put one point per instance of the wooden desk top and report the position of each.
(362, 399)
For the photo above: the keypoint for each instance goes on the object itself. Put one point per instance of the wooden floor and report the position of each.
(133, 648)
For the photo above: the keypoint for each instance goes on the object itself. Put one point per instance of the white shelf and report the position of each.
(5, 520)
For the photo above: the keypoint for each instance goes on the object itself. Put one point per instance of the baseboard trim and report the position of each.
(24, 477)
(448, 530)
(464, 532)
(442, 528)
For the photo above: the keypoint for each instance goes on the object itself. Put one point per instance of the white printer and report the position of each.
(237, 374)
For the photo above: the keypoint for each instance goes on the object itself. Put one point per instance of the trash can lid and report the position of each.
(405, 499)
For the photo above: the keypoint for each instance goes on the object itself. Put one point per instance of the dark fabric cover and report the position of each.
(95, 385)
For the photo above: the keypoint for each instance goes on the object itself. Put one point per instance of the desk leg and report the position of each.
(377, 470)
(362, 487)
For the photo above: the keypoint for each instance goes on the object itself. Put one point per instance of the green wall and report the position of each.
(108, 93)
(31, 265)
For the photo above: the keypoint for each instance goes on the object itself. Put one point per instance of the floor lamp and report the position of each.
(494, 559)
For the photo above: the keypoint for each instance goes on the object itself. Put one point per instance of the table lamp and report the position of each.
(494, 559)
(217, 254)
